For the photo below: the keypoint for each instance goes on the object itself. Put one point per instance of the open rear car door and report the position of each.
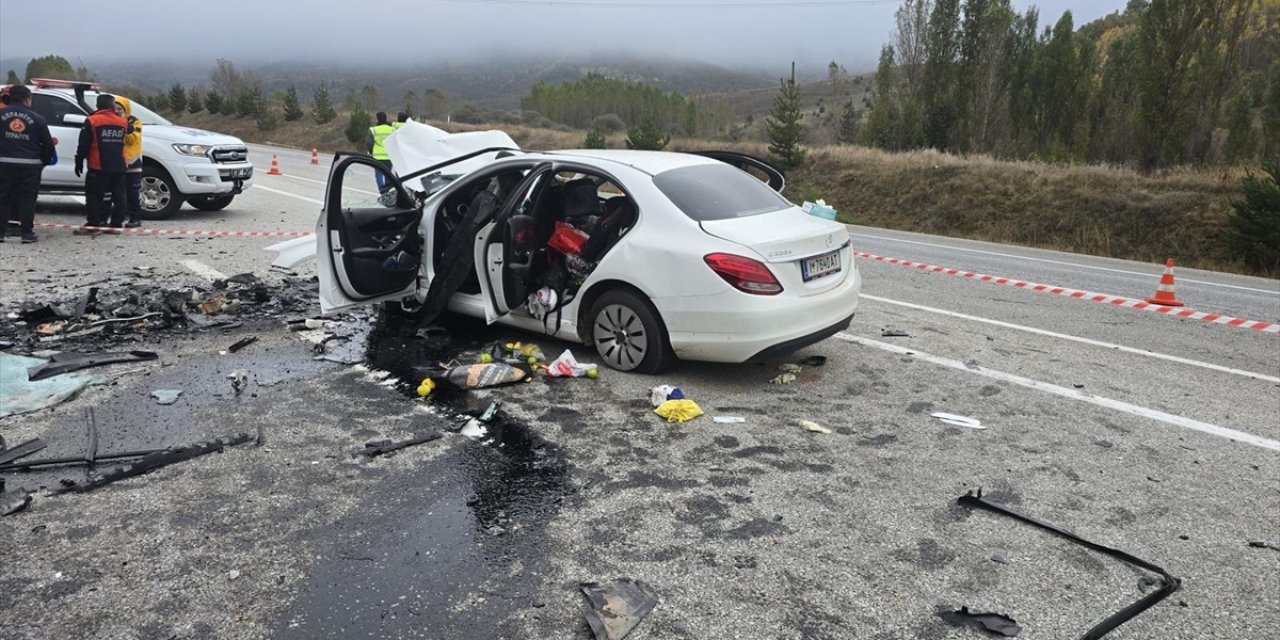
(368, 246)
(759, 169)
(505, 248)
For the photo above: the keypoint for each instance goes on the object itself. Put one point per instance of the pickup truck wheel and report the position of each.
(160, 197)
(210, 203)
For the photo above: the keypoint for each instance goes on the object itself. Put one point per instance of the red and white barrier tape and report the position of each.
(149, 231)
(1179, 312)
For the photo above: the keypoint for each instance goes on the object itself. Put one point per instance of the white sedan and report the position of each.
(647, 256)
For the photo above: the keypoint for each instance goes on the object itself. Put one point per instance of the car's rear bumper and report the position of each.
(737, 327)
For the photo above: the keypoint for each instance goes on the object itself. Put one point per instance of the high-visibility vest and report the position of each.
(397, 124)
(380, 133)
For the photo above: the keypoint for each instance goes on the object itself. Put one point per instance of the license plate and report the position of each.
(819, 266)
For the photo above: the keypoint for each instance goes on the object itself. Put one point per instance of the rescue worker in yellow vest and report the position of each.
(401, 118)
(375, 142)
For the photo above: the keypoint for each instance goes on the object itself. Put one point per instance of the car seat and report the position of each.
(620, 213)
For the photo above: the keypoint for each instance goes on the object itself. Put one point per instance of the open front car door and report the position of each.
(368, 245)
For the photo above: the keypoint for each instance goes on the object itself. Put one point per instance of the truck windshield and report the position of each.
(143, 114)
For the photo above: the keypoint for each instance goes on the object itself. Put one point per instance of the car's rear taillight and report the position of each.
(745, 274)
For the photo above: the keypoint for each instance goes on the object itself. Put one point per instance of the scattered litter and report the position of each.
(68, 362)
(14, 501)
(1259, 544)
(567, 366)
(814, 361)
(728, 419)
(477, 376)
(157, 460)
(18, 394)
(513, 353)
(239, 380)
(678, 410)
(473, 429)
(814, 427)
(894, 333)
(784, 378)
(1168, 585)
(790, 368)
(991, 622)
(999, 559)
(958, 420)
(426, 387)
(22, 450)
(233, 574)
(313, 323)
(375, 449)
(166, 396)
(663, 393)
(617, 610)
(213, 306)
(242, 343)
(489, 412)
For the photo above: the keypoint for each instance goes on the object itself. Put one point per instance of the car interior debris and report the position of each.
(994, 623)
(68, 362)
(617, 609)
(381, 447)
(157, 460)
(1168, 583)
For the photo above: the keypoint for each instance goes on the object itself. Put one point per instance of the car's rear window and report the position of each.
(717, 192)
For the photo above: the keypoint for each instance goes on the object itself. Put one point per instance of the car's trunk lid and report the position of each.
(787, 239)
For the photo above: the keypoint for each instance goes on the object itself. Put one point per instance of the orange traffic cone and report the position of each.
(275, 167)
(1164, 293)
(315, 156)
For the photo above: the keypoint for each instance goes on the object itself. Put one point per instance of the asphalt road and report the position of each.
(1152, 434)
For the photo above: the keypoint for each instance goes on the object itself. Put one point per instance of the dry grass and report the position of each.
(1097, 210)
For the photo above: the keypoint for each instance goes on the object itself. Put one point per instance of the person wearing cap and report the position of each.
(102, 149)
(133, 160)
(374, 142)
(26, 146)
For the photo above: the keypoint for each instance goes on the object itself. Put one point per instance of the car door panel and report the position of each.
(64, 119)
(502, 253)
(368, 250)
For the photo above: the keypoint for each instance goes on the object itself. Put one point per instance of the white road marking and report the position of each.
(323, 182)
(1275, 291)
(203, 270)
(1089, 341)
(286, 193)
(1074, 394)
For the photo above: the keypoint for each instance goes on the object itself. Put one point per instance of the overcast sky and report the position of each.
(729, 32)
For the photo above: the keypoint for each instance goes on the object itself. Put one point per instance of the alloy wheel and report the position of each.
(155, 193)
(620, 337)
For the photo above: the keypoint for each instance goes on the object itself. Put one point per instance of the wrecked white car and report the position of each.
(647, 256)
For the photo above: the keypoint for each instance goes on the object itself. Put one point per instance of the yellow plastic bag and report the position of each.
(678, 410)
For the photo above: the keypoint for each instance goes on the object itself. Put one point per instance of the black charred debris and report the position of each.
(109, 316)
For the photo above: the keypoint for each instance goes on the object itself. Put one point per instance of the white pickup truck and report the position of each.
(180, 164)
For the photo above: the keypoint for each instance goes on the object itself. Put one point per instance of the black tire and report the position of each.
(160, 197)
(628, 334)
(210, 203)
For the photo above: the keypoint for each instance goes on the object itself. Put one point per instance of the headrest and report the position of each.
(581, 198)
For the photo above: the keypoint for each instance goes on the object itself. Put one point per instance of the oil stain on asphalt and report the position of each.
(462, 546)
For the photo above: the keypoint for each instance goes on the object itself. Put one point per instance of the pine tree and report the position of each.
(249, 104)
(177, 98)
(595, 139)
(646, 137)
(1241, 141)
(411, 102)
(321, 105)
(159, 102)
(358, 125)
(53, 67)
(1255, 224)
(847, 133)
(940, 75)
(13, 78)
(784, 126)
(292, 110)
(195, 103)
(369, 98)
(213, 102)
(881, 129)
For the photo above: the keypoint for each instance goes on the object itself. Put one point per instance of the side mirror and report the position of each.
(73, 119)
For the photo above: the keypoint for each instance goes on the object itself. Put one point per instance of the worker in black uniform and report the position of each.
(25, 148)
